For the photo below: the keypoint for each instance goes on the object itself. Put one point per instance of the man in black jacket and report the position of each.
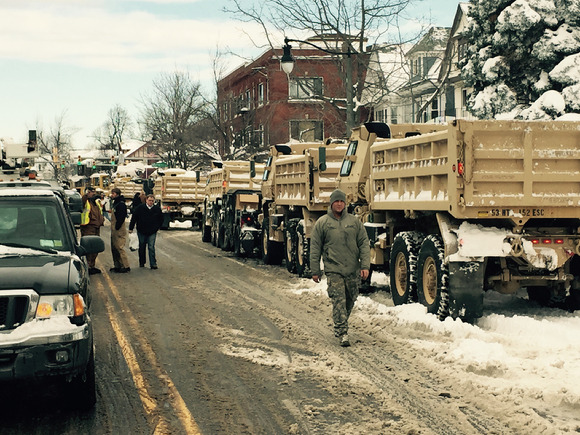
(148, 217)
(119, 232)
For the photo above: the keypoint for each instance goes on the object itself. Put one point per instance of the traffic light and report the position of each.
(62, 164)
(79, 161)
(113, 160)
(31, 140)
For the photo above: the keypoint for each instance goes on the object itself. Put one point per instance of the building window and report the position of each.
(248, 100)
(464, 98)
(380, 115)
(258, 139)
(434, 108)
(225, 111)
(260, 94)
(306, 130)
(461, 51)
(305, 87)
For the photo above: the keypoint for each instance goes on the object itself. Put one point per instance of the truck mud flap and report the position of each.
(466, 290)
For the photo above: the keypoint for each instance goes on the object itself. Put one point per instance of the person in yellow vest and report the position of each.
(91, 222)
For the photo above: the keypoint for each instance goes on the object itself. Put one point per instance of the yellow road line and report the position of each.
(149, 404)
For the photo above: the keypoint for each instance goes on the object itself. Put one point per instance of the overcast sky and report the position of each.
(81, 57)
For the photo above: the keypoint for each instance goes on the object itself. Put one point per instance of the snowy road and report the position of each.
(216, 344)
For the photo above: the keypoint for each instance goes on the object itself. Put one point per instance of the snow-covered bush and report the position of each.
(523, 59)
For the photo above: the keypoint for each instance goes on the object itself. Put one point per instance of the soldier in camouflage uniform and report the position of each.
(341, 239)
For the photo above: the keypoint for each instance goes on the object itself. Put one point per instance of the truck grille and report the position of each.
(13, 310)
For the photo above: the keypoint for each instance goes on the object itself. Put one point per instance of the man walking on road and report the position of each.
(91, 222)
(341, 239)
(119, 232)
(148, 217)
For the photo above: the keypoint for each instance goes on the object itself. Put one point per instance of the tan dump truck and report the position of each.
(475, 206)
(180, 194)
(129, 186)
(296, 188)
(232, 205)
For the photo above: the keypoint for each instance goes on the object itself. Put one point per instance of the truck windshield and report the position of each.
(35, 225)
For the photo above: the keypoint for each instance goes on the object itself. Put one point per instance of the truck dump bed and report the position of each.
(181, 188)
(232, 175)
(482, 169)
(299, 181)
(128, 187)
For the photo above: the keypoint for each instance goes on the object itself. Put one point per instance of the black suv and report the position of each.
(45, 325)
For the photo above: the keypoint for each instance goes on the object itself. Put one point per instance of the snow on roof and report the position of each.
(130, 146)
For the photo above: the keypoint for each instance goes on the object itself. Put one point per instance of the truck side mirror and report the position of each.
(322, 158)
(252, 168)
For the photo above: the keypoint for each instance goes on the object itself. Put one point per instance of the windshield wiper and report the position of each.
(36, 248)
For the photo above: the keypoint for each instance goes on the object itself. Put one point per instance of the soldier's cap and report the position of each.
(337, 195)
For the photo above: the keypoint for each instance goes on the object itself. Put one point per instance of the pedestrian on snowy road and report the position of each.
(91, 222)
(119, 232)
(148, 217)
(341, 239)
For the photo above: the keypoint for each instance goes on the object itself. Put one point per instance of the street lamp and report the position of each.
(287, 64)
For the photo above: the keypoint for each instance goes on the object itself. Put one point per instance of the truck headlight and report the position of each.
(60, 305)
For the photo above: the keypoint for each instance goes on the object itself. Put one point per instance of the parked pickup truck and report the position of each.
(45, 323)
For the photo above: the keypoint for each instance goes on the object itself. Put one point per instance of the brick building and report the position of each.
(261, 106)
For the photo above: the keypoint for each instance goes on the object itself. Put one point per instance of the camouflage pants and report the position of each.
(343, 291)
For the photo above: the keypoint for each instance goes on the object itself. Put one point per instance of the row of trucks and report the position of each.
(451, 211)
(232, 206)
(179, 193)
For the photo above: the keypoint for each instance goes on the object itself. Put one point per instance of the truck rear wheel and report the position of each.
(272, 252)
(221, 237)
(403, 267)
(302, 252)
(237, 241)
(433, 277)
(206, 236)
(291, 248)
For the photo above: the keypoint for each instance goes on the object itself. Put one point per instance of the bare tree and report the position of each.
(212, 109)
(55, 145)
(170, 116)
(116, 128)
(356, 24)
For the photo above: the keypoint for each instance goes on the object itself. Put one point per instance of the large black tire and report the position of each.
(272, 252)
(214, 235)
(403, 267)
(206, 236)
(228, 239)
(81, 390)
(290, 248)
(433, 277)
(221, 236)
(540, 295)
(302, 253)
(237, 242)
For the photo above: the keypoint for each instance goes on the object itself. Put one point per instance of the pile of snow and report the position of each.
(130, 169)
(177, 224)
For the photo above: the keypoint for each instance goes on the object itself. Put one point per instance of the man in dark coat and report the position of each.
(119, 232)
(148, 217)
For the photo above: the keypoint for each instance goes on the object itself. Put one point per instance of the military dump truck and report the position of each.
(129, 186)
(296, 187)
(232, 205)
(180, 194)
(475, 206)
